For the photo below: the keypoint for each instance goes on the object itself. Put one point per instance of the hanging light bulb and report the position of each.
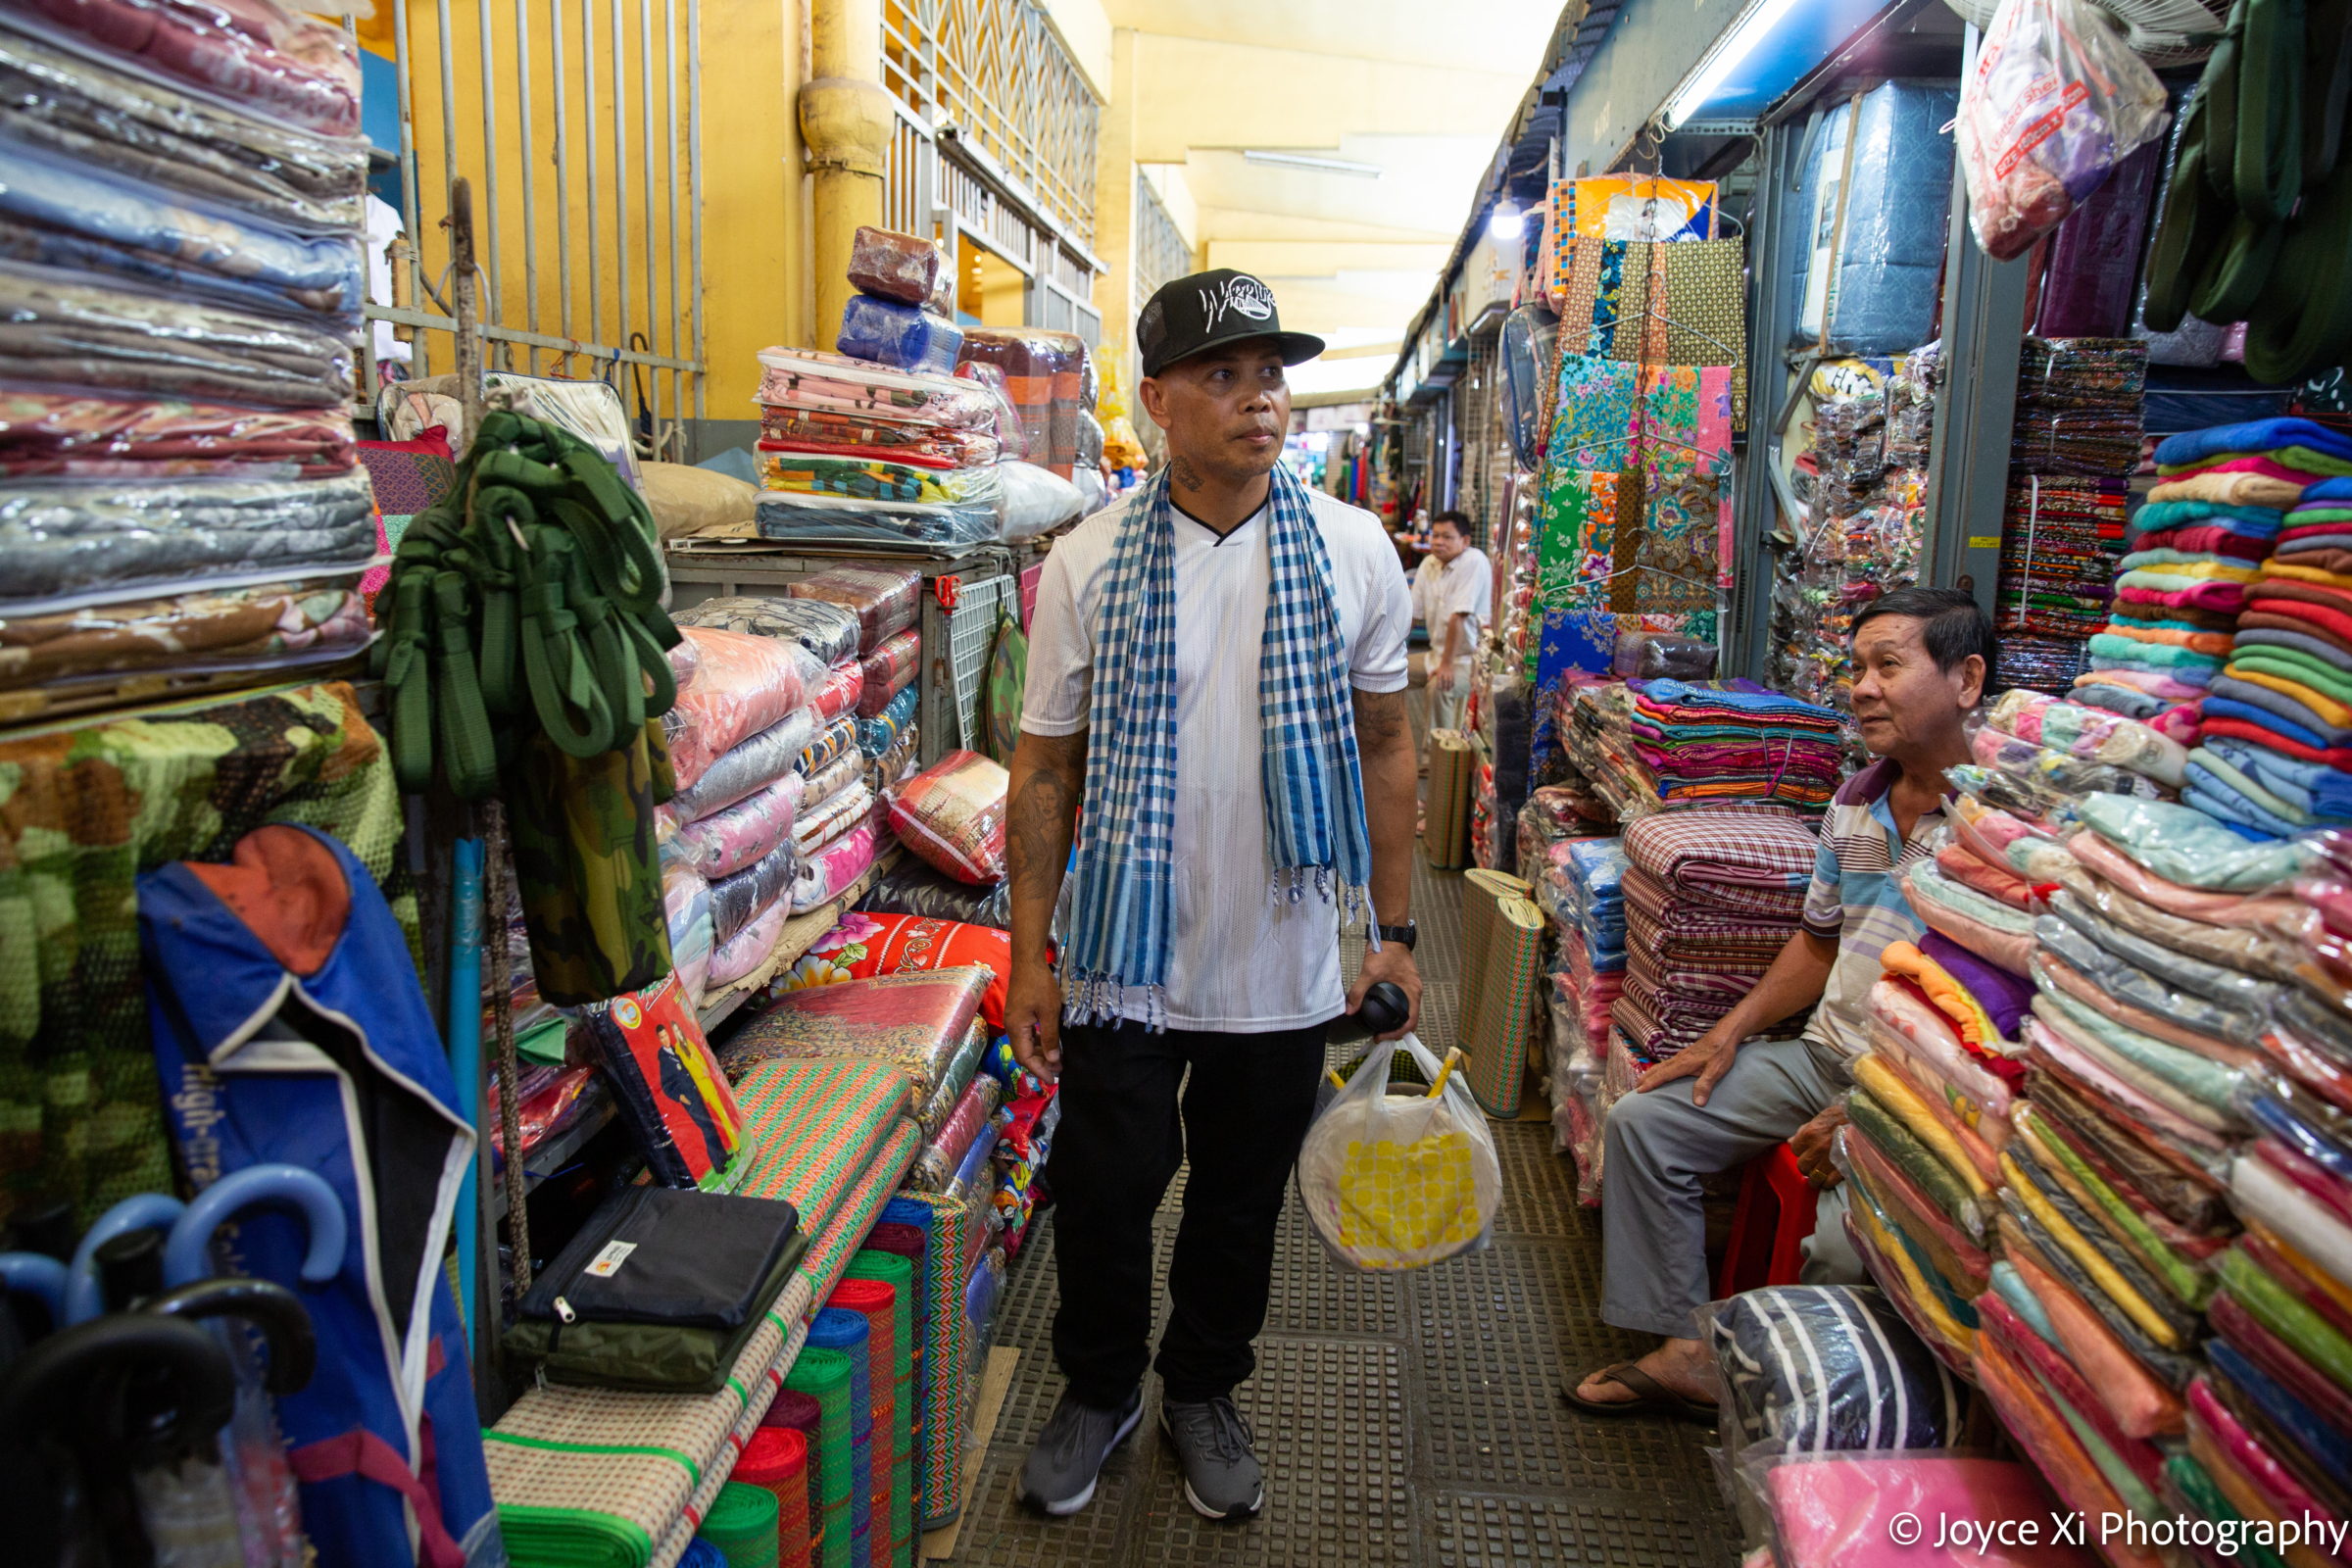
(1506, 221)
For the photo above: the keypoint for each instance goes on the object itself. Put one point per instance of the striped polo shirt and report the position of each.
(1857, 901)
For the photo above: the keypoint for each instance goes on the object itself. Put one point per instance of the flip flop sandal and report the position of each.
(1652, 1397)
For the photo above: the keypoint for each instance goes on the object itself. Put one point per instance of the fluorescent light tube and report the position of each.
(1328, 165)
(1737, 43)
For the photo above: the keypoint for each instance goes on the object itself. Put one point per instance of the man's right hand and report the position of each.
(1708, 1059)
(1033, 1018)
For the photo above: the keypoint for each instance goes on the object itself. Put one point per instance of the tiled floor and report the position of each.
(1409, 1419)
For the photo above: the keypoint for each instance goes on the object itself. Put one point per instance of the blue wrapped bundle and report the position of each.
(1871, 279)
(906, 337)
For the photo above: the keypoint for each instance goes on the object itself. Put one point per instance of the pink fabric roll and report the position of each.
(1963, 865)
(2275, 1484)
(2140, 1404)
(2192, 903)
(2038, 1357)
(1834, 1511)
(2223, 598)
(2143, 681)
(2008, 950)
(2042, 1038)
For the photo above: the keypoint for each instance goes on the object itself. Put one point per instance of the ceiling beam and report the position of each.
(1192, 93)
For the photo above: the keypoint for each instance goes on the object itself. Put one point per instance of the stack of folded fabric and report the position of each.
(856, 453)
(2156, 966)
(1580, 892)
(180, 495)
(1734, 740)
(2278, 714)
(1595, 724)
(1711, 896)
(2270, 1415)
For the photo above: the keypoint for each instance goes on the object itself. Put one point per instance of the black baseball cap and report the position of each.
(1202, 310)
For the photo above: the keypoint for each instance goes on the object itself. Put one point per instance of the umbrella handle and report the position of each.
(187, 1254)
(86, 1299)
(52, 1380)
(272, 1308)
(37, 1275)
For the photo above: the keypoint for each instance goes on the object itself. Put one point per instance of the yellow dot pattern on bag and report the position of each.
(1408, 1197)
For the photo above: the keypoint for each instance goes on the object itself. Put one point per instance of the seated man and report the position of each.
(1923, 658)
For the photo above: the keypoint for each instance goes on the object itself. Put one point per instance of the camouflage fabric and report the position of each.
(83, 813)
(586, 866)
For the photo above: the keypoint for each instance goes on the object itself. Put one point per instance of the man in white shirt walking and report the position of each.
(1453, 596)
(1218, 668)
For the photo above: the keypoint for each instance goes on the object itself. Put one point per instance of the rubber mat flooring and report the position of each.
(1411, 1419)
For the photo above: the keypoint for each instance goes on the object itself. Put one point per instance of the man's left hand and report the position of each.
(1811, 1147)
(1393, 963)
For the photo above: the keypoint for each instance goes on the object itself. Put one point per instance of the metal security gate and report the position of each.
(995, 143)
(581, 133)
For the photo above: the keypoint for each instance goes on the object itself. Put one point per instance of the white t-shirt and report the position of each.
(1240, 961)
(1442, 589)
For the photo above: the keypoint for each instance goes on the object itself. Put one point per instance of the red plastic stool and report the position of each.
(1769, 1227)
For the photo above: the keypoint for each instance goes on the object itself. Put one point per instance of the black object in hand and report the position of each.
(1383, 1010)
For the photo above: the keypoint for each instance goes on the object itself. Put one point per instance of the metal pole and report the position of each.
(694, 165)
(670, 57)
(531, 179)
(652, 238)
(449, 106)
(466, 305)
(408, 169)
(494, 305)
(563, 85)
(501, 1015)
(596, 249)
(621, 197)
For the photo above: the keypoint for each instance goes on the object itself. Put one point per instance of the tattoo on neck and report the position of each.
(1186, 473)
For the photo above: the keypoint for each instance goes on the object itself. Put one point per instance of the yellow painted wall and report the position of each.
(757, 287)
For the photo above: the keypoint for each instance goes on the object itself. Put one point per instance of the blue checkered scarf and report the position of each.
(1122, 917)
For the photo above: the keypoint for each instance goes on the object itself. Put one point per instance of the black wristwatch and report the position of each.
(1406, 934)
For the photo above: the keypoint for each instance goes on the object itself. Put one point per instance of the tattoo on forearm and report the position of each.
(1186, 473)
(1379, 719)
(1038, 818)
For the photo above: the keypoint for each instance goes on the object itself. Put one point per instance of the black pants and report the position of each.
(1120, 1140)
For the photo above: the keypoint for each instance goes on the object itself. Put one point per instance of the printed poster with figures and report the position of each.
(677, 1102)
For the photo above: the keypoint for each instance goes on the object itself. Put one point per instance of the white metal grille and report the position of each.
(1160, 254)
(950, 700)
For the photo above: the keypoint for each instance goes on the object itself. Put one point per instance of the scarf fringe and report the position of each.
(1096, 999)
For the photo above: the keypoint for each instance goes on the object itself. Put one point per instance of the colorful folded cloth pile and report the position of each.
(2075, 442)
(2157, 963)
(1734, 740)
(1580, 888)
(1596, 728)
(2278, 714)
(1710, 896)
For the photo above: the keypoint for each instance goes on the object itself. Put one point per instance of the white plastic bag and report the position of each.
(2055, 101)
(1404, 1178)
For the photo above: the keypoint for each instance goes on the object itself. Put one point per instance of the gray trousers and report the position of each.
(1654, 1232)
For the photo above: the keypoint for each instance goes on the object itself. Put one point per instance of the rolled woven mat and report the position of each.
(599, 1478)
(1504, 933)
(940, 1160)
(698, 1507)
(700, 1553)
(877, 1303)
(777, 1458)
(816, 1126)
(847, 1332)
(825, 1375)
(830, 1255)
(793, 1409)
(1445, 830)
(743, 1525)
(902, 1513)
(898, 1273)
(953, 1227)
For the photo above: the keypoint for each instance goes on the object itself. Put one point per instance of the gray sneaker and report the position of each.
(1059, 1477)
(1221, 1476)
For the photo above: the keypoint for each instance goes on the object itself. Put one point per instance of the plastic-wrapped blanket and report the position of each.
(912, 887)
(272, 627)
(936, 1167)
(686, 901)
(801, 468)
(842, 685)
(64, 213)
(830, 872)
(915, 1023)
(743, 684)
(1993, 932)
(827, 746)
(830, 819)
(730, 840)
(2091, 734)
(58, 327)
(885, 600)
(831, 780)
(889, 670)
(84, 540)
(2054, 770)
(2235, 948)
(1834, 1511)
(903, 336)
(2186, 1276)
(748, 767)
(903, 266)
(953, 815)
(748, 949)
(875, 736)
(1947, 1187)
(1876, 237)
(2210, 995)
(803, 379)
(79, 435)
(1810, 1369)
(931, 527)
(737, 900)
(825, 629)
(295, 69)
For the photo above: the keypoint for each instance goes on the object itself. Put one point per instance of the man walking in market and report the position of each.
(1217, 674)
(1453, 595)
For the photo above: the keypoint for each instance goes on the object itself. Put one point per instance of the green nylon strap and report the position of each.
(655, 1450)
(468, 757)
(2269, 157)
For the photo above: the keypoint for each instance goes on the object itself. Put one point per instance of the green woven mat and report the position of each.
(815, 1127)
(856, 1214)
(954, 1228)
(743, 1525)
